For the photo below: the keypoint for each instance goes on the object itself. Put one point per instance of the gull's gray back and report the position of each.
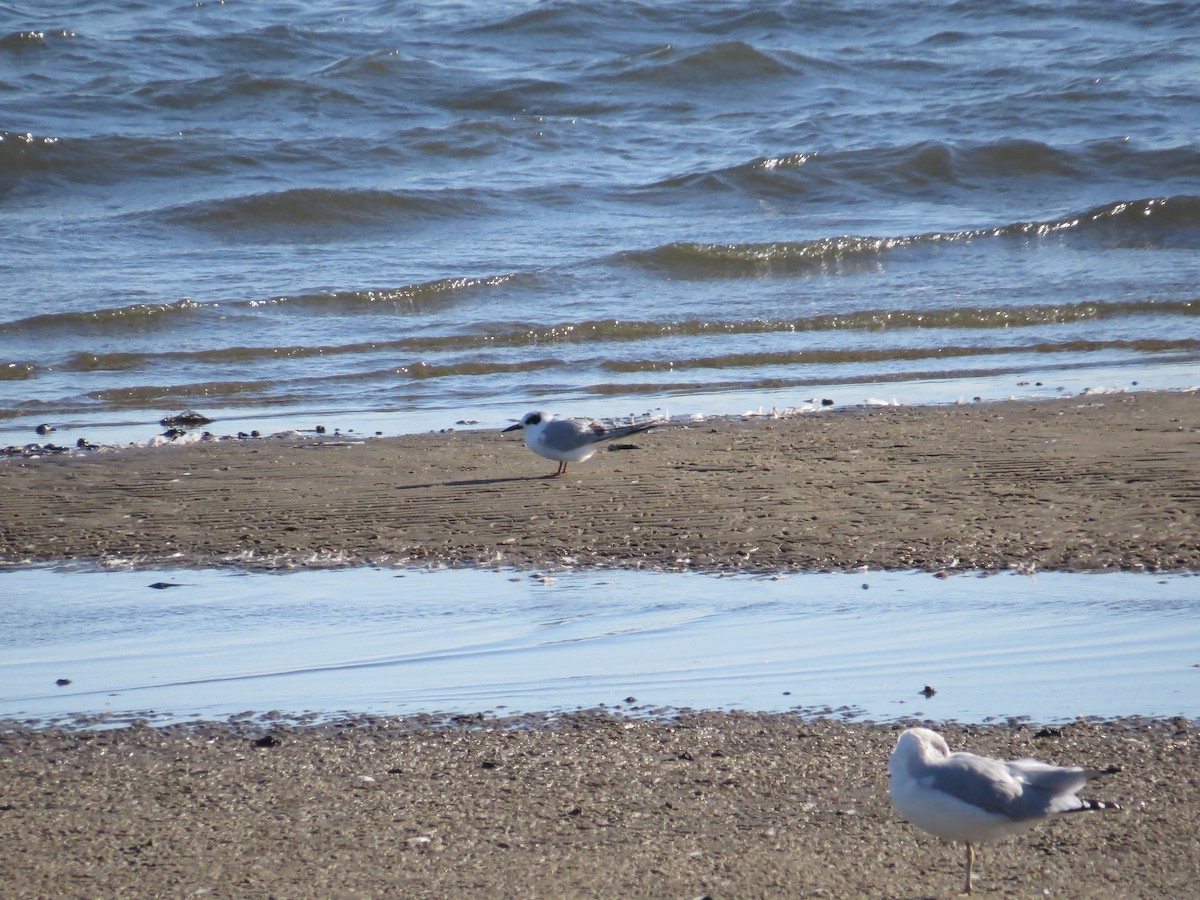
(1021, 790)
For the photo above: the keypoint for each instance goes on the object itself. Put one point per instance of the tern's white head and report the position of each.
(531, 420)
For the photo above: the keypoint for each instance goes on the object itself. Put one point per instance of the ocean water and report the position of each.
(408, 214)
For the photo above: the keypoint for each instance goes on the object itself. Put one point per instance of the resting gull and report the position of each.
(964, 797)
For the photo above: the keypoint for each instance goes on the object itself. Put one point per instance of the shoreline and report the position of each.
(1080, 484)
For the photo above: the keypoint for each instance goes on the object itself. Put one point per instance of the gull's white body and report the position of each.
(568, 440)
(972, 799)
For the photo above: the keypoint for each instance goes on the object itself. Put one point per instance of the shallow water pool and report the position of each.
(207, 644)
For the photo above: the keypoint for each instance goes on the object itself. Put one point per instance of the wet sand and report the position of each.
(1082, 483)
(590, 804)
(584, 805)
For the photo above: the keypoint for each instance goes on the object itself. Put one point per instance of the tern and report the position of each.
(568, 440)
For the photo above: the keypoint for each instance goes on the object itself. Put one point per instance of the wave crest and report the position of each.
(303, 209)
(1166, 222)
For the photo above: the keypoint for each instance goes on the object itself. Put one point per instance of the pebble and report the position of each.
(32, 451)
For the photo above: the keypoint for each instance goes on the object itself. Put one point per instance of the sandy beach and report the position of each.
(590, 804)
(1081, 483)
(582, 805)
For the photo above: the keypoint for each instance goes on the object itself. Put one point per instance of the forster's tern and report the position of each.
(568, 440)
(969, 798)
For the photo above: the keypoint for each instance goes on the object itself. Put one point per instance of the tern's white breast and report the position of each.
(559, 440)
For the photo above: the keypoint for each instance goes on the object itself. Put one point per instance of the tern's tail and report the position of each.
(626, 430)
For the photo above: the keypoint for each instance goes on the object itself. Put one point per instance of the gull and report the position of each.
(568, 440)
(963, 797)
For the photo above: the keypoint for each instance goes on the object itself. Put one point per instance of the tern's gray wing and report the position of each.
(570, 434)
(565, 435)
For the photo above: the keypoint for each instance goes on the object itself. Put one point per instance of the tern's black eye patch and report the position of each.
(533, 419)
